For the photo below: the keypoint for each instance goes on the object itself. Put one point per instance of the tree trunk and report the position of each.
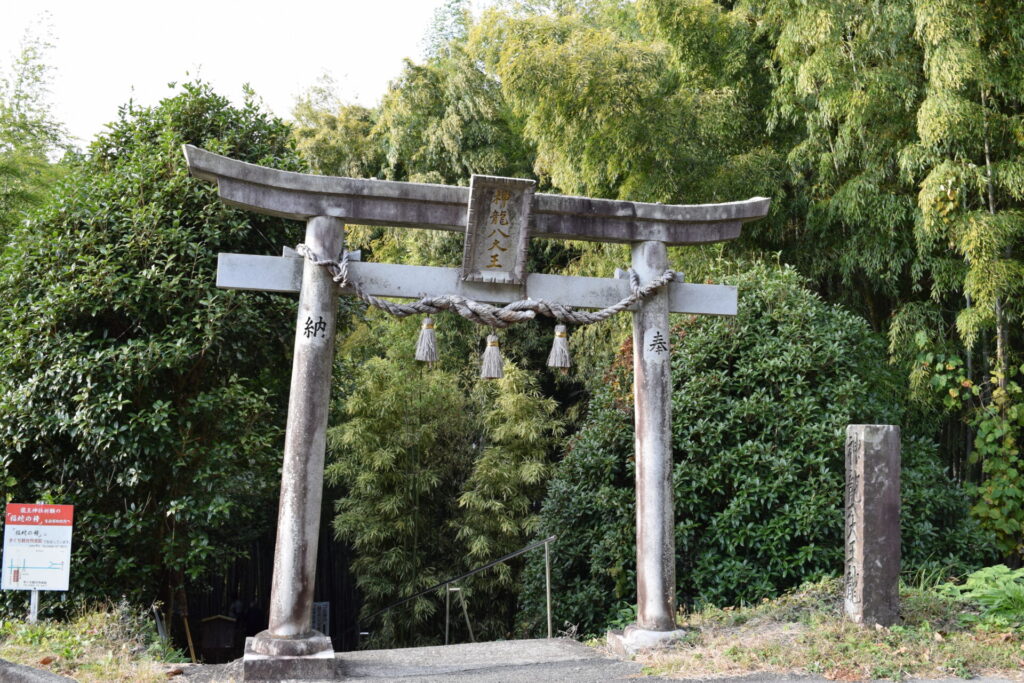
(1002, 363)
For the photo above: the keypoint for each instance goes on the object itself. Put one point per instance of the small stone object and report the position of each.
(491, 368)
(426, 346)
(559, 356)
(872, 524)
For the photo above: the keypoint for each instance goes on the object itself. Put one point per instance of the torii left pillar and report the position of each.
(290, 648)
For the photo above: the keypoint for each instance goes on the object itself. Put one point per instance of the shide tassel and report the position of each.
(491, 366)
(559, 356)
(426, 345)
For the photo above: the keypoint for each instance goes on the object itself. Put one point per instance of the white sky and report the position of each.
(107, 51)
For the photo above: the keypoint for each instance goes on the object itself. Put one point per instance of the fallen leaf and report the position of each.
(48, 660)
(939, 637)
(175, 672)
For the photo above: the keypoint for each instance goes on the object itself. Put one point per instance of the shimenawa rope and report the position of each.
(486, 314)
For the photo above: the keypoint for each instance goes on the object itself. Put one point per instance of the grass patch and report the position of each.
(101, 644)
(940, 634)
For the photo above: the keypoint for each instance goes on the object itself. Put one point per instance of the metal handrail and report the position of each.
(471, 572)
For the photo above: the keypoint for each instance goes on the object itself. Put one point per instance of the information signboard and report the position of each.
(37, 547)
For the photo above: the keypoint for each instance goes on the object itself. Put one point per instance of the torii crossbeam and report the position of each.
(327, 204)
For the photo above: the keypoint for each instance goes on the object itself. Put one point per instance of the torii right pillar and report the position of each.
(652, 398)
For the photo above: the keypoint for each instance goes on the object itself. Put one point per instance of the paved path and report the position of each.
(511, 661)
(526, 661)
(520, 661)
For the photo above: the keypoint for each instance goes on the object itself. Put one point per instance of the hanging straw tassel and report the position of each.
(559, 356)
(426, 345)
(491, 366)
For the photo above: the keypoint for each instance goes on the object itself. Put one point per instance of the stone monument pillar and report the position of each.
(872, 523)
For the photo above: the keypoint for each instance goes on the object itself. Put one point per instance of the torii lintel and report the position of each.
(300, 196)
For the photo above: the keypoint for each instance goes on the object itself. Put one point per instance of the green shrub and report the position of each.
(101, 643)
(760, 407)
(130, 386)
(998, 591)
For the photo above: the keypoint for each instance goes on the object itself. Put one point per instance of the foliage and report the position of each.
(499, 498)
(760, 407)
(403, 449)
(996, 414)
(437, 478)
(130, 386)
(28, 134)
(334, 138)
(1000, 593)
(445, 120)
(26, 122)
(614, 111)
(968, 158)
(110, 642)
(846, 81)
(1000, 494)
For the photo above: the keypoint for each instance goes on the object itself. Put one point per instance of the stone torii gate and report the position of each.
(326, 204)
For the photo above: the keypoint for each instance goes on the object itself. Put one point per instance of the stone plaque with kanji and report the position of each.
(497, 232)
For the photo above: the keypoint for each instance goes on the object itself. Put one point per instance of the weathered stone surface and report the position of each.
(648, 227)
(872, 523)
(443, 207)
(311, 643)
(634, 639)
(652, 392)
(302, 473)
(497, 229)
(284, 274)
(319, 666)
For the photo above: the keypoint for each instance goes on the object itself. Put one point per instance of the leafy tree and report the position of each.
(996, 413)
(444, 120)
(402, 453)
(28, 133)
(969, 161)
(499, 499)
(130, 386)
(437, 473)
(847, 83)
(332, 137)
(614, 111)
(760, 406)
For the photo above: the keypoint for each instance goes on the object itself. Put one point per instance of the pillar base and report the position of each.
(633, 639)
(270, 658)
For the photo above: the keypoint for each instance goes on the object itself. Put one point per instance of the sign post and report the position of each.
(37, 549)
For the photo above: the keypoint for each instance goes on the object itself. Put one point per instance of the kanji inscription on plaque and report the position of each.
(497, 232)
